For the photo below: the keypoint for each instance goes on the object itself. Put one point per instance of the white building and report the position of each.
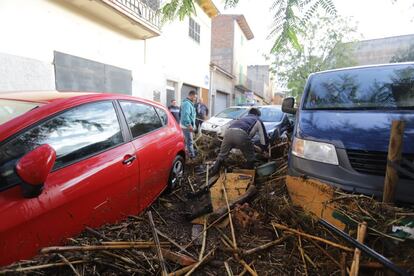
(103, 45)
(180, 57)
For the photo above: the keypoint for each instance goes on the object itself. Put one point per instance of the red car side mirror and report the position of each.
(33, 169)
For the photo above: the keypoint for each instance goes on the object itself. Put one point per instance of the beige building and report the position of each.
(230, 34)
(259, 82)
(278, 98)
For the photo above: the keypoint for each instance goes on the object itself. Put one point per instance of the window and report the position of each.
(141, 118)
(387, 87)
(75, 134)
(232, 113)
(194, 30)
(163, 115)
(270, 114)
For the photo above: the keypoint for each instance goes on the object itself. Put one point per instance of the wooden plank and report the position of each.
(394, 155)
(361, 233)
(313, 196)
(236, 186)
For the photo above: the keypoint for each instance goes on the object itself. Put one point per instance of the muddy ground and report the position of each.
(289, 254)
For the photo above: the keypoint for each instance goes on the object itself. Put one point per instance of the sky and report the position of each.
(374, 18)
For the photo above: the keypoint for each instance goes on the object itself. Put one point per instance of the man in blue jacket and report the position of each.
(239, 135)
(187, 121)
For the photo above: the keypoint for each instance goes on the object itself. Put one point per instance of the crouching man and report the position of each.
(239, 135)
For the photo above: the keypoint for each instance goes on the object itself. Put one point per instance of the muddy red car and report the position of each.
(70, 160)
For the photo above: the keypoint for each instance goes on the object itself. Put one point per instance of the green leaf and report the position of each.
(293, 39)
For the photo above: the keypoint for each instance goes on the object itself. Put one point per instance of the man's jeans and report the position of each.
(236, 138)
(188, 136)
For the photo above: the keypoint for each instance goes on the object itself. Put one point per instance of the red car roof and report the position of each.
(51, 96)
(40, 96)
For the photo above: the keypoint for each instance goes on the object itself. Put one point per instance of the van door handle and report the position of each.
(129, 160)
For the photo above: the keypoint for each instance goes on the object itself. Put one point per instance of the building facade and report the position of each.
(178, 61)
(259, 82)
(222, 87)
(74, 45)
(278, 98)
(106, 46)
(230, 34)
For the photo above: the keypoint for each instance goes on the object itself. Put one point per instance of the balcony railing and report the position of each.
(138, 18)
(146, 10)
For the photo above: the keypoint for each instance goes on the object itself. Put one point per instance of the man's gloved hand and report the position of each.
(257, 148)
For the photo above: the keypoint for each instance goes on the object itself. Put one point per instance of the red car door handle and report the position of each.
(128, 159)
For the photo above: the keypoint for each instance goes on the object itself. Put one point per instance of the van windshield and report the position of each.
(10, 109)
(385, 87)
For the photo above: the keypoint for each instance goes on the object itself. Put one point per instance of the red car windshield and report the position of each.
(10, 109)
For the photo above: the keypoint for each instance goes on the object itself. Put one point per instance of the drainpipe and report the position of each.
(211, 87)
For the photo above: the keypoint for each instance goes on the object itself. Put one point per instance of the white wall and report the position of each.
(222, 82)
(178, 57)
(23, 74)
(31, 30)
(35, 28)
(148, 78)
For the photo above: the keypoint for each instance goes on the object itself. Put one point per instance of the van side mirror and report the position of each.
(33, 169)
(288, 105)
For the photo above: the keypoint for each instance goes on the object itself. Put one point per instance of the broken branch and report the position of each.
(69, 264)
(200, 262)
(178, 258)
(182, 249)
(283, 227)
(36, 267)
(159, 251)
(57, 249)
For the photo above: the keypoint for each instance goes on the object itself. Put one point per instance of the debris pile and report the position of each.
(267, 235)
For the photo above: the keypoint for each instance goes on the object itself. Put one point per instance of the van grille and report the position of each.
(372, 162)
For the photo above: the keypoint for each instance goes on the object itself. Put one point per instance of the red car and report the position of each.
(70, 160)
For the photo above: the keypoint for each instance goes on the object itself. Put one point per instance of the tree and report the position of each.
(323, 48)
(289, 17)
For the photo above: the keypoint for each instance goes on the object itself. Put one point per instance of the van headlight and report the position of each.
(316, 151)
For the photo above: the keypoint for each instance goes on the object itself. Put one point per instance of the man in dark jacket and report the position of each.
(239, 135)
(175, 110)
(202, 113)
